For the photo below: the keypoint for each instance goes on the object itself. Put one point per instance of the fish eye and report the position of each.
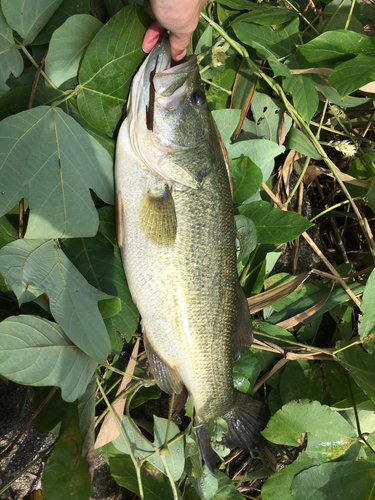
(198, 97)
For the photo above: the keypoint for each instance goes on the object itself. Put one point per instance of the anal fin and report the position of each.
(166, 378)
(243, 335)
(209, 456)
(158, 216)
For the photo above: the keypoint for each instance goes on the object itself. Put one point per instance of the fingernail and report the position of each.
(180, 56)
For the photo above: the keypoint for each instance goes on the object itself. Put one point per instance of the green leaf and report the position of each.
(52, 413)
(207, 485)
(328, 434)
(301, 379)
(267, 15)
(268, 115)
(226, 489)
(67, 8)
(86, 416)
(277, 487)
(17, 99)
(335, 47)
(260, 151)
(141, 447)
(68, 44)
(100, 263)
(155, 487)
(35, 351)
(298, 141)
(351, 75)
(108, 67)
(361, 366)
(33, 267)
(246, 236)
(281, 42)
(107, 224)
(345, 480)
(245, 372)
(57, 163)
(330, 93)
(243, 84)
(279, 69)
(226, 121)
(236, 4)
(246, 179)
(28, 17)
(10, 58)
(223, 76)
(305, 96)
(66, 475)
(272, 224)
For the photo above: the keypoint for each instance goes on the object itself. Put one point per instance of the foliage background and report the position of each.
(291, 87)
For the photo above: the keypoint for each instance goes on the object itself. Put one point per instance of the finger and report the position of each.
(178, 45)
(151, 36)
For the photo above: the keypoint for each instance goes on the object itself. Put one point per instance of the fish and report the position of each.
(176, 231)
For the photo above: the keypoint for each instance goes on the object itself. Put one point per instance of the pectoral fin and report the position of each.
(158, 216)
(243, 335)
(166, 378)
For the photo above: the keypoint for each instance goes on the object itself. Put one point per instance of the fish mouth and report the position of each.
(167, 83)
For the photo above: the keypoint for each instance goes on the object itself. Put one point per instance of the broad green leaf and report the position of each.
(268, 115)
(328, 434)
(107, 224)
(17, 100)
(155, 487)
(337, 386)
(113, 6)
(205, 42)
(100, 263)
(345, 480)
(57, 163)
(236, 4)
(298, 141)
(108, 67)
(243, 84)
(226, 121)
(361, 366)
(246, 179)
(331, 94)
(68, 44)
(103, 139)
(246, 236)
(141, 447)
(67, 475)
(224, 77)
(260, 151)
(301, 379)
(335, 47)
(366, 327)
(34, 267)
(28, 17)
(277, 487)
(10, 58)
(52, 413)
(305, 96)
(280, 42)
(226, 489)
(245, 372)
(279, 69)
(207, 485)
(351, 75)
(272, 224)
(361, 10)
(35, 351)
(267, 15)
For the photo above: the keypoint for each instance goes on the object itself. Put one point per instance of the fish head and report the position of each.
(168, 116)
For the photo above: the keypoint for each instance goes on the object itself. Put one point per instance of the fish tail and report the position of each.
(246, 419)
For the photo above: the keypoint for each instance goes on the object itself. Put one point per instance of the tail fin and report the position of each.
(245, 421)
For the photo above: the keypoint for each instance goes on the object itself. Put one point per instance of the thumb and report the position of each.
(178, 45)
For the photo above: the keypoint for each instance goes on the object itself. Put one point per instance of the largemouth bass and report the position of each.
(176, 231)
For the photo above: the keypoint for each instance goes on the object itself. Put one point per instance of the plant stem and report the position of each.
(229, 92)
(35, 64)
(349, 15)
(119, 426)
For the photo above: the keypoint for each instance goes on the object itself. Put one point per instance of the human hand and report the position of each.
(180, 17)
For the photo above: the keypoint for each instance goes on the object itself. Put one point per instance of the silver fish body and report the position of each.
(177, 236)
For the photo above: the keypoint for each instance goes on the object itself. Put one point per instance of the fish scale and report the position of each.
(177, 236)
